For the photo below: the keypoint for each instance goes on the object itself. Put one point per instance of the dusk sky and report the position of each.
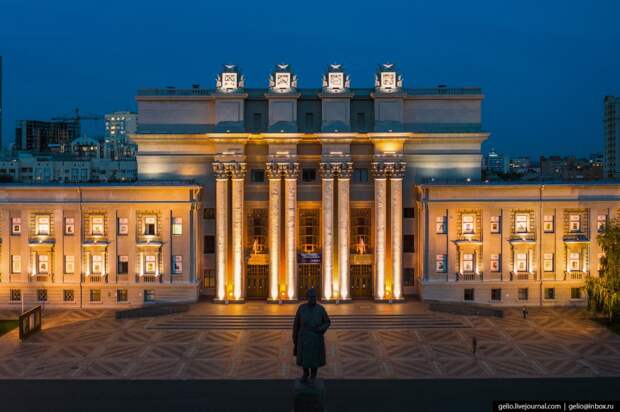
(544, 66)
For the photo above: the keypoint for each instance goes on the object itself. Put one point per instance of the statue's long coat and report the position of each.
(311, 322)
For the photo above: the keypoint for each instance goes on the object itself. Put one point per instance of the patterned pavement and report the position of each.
(552, 342)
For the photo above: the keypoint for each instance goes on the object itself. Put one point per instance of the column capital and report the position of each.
(290, 170)
(237, 169)
(273, 172)
(327, 170)
(219, 169)
(346, 170)
(383, 169)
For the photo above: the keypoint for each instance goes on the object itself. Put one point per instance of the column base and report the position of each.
(392, 300)
(228, 301)
(282, 301)
(336, 301)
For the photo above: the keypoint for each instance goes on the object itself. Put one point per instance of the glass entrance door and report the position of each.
(309, 276)
(361, 281)
(257, 281)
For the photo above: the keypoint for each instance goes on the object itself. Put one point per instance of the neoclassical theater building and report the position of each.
(263, 193)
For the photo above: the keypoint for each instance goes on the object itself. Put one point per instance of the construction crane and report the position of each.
(77, 118)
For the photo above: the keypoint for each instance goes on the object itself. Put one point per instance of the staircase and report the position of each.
(285, 322)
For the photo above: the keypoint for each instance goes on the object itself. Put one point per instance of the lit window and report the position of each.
(494, 264)
(121, 295)
(177, 226)
(601, 223)
(16, 225)
(16, 295)
(43, 264)
(16, 264)
(69, 226)
(68, 295)
(522, 223)
(574, 261)
(97, 225)
(43, 225)
(468, 225)
(95, 295)
(548, 262)
(123, 226)
(440, 225)
(69, 264)
(149, 225)
(548, 224)
(97, 264)
(177, 264)
(440, 264)
(468, 262)
(521, 262)
(149, 264)
(42, 295)
(122, 267)
(495, 224)
(574, 224)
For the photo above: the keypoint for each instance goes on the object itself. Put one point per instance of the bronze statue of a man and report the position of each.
(311, 323)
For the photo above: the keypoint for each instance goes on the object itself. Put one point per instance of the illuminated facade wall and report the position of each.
(98, 245)
(523, 244)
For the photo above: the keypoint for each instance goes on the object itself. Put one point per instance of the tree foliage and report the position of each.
(604, 291)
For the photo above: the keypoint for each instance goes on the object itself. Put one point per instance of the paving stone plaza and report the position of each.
(366, 341)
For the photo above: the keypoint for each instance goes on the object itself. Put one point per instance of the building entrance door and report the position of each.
(361, 281)
(257, 281)
(309, 276)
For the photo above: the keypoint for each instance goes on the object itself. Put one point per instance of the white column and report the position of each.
(343, 235)
(274, 234)
(328, 231)
(290, 209)
(380, 231)
(237, 234)
(221, 233)
(396, 212)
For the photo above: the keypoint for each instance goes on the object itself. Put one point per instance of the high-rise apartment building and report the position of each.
(119, 124)
(43, 136)
(611, 132)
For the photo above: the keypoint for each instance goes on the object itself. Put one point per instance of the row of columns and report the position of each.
(335, 175)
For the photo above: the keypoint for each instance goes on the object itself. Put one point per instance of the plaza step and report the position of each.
(285, 322)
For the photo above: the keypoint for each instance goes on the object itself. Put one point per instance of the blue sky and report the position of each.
(544, 66)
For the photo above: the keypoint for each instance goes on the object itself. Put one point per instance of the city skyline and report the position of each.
(554, 59)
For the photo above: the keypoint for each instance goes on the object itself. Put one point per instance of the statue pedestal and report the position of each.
(309, 396)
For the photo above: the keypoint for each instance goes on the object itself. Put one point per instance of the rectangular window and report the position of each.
(43, 264)
(523, 294)
(601, 223)
(495, 224)
(441, 263)
(177, 264)
(440, 225)
(409, 244)
(16, 295)
(122, 265)
(521, 262)
(41, 295)
(496, 294)
(574, 261)
(548, 224)
(599, 265)
(16, 264)
(209, 278)
(468, 262)
(68, 295)
(149, 264)
(468, 225)
(468, 294)
(149, 225)
(360, 175)
(308, 175)
(548, 262)
(95, 295)
(208, 213)
(97, 264)
(42, 225)
(257, 175)
(149, 295)
(208, 244)
(575, 293)
(522, 223)
(574, 223)
(121, 295)
(69, 226)
(97, 226)
(69, 264)
(549, 293)
(494, 264)
(409, 212)
(16, 225)
(123, 226)
(177, 226)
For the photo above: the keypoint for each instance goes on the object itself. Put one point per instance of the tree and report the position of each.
(604, 291)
